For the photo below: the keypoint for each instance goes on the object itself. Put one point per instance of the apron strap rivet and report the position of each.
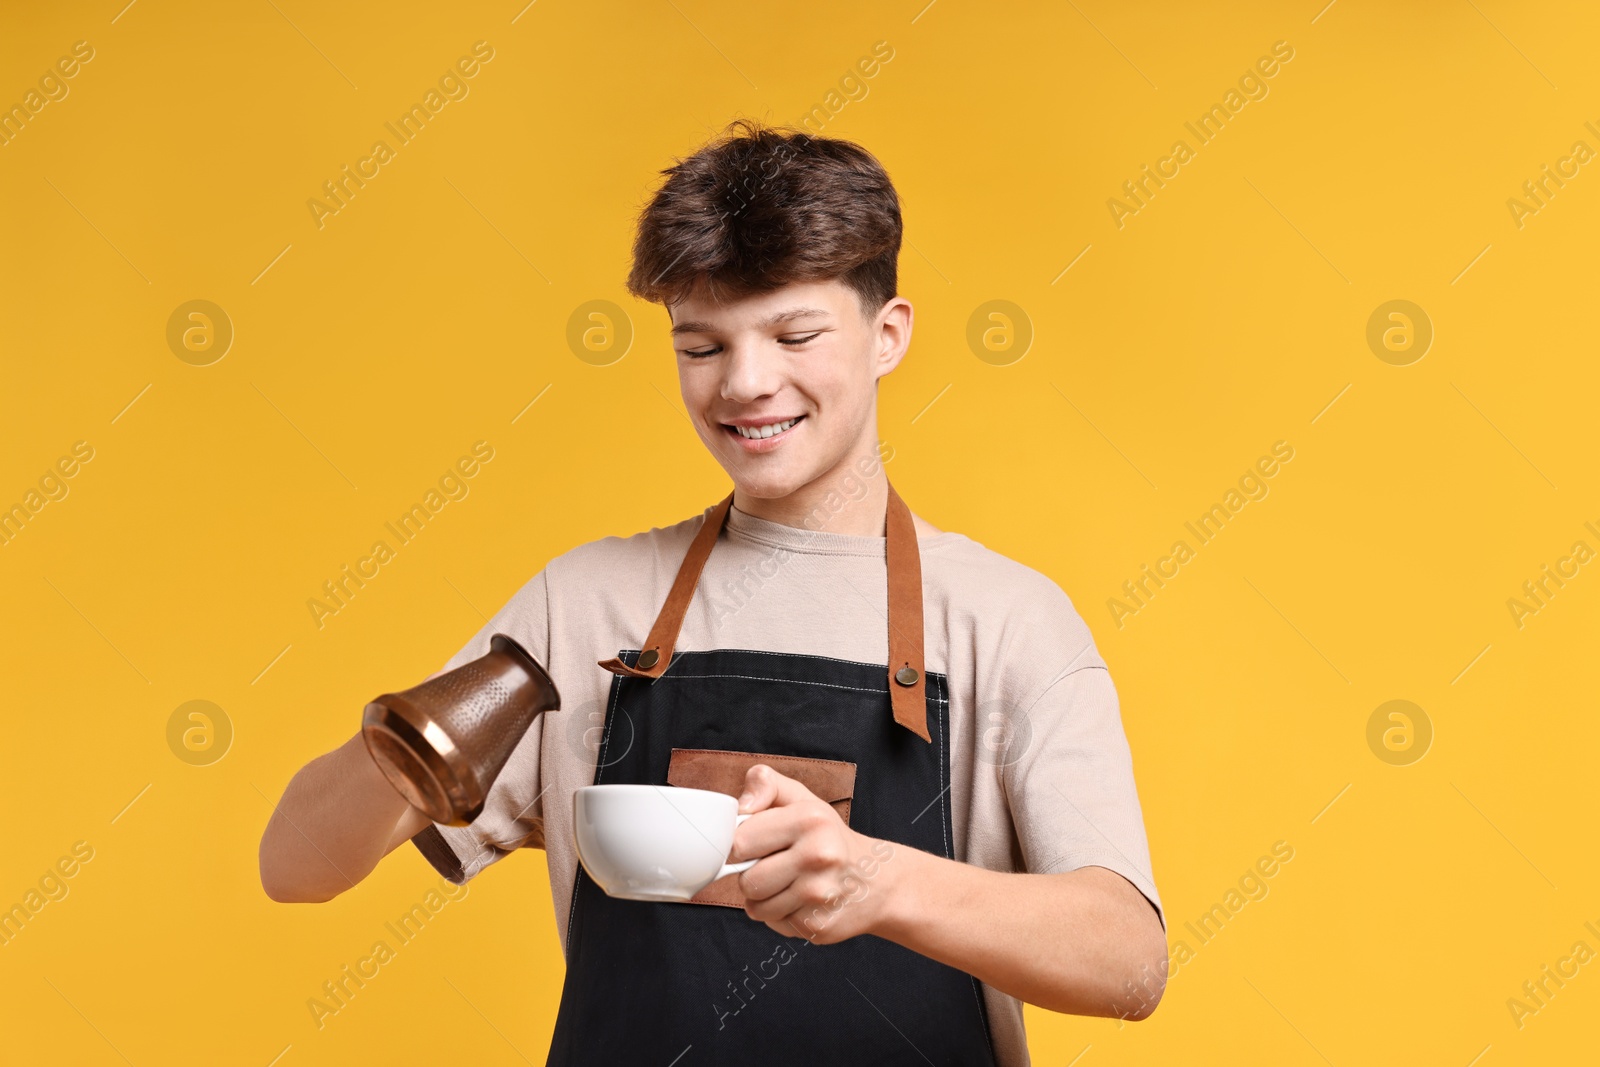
(906, 676)
(648, 657)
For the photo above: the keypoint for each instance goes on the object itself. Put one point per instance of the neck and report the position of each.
(841, 501)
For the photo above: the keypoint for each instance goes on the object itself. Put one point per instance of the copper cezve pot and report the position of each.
(441, 744)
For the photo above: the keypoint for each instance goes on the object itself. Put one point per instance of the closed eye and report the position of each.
(791, 342)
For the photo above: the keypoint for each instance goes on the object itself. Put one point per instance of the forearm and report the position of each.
(333, 825)
(1070, 942)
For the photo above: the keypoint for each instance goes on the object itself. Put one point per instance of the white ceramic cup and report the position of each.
(655, 842)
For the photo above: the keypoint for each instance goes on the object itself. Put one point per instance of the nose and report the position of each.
(748, 374)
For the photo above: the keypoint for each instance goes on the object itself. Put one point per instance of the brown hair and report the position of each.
(762, 207)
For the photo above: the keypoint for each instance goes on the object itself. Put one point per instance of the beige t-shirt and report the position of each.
(1041, 775)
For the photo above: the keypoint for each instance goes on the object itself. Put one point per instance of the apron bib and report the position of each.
(701, 983)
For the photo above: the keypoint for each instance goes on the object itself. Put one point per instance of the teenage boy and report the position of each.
(944, 805)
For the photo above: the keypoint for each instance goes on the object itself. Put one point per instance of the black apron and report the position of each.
(691, 984)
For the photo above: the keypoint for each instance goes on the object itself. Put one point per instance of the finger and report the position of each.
(814, 923)
(765, 787)
(795, 910)
(771, 831)
(812, 889)
(772, 875)
(776, 829)
(794, 898)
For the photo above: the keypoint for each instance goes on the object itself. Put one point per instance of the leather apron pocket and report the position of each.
(723, 771)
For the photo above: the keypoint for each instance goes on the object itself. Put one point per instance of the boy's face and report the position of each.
(801, 352)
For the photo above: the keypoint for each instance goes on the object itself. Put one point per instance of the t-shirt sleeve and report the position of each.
(1072, 791)
(513, 812)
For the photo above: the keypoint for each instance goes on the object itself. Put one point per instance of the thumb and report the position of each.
(760, 789)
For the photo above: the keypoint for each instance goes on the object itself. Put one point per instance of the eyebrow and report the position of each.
(700, 326)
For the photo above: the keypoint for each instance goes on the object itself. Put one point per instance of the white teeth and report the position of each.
(758, 432)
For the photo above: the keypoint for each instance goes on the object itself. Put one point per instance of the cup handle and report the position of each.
(743, 865)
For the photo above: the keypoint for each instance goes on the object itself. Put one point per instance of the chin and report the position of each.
(768, 481)
(768, 486)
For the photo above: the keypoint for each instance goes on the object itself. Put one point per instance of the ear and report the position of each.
(891, 329)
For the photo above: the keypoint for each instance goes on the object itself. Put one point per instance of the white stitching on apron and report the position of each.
(790, 681)
(763, 652)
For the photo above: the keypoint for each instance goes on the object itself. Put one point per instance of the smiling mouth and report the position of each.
(762, 433)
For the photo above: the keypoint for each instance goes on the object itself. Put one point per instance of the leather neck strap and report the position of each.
(907, 688)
